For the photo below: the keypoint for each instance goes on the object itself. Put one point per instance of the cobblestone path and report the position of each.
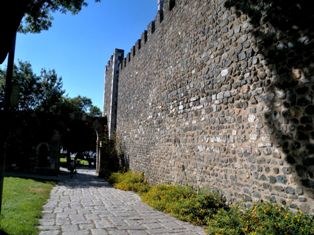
(86, 204)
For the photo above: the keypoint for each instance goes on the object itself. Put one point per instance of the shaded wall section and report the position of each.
(205, 99)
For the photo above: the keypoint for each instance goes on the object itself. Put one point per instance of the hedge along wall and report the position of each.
(219, 94)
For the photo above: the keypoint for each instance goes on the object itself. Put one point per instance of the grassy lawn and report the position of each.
(22, 204)
(81, 162)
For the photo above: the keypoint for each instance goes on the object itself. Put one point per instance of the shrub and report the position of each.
(184, 203)
(200, 207)
(162, 197)
(262, 218)
(226, 222)
(129, 181)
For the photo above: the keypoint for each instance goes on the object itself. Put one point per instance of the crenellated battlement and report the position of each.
(162, 15)
(109, 63)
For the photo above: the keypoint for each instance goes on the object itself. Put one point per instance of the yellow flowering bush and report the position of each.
(262, 218)
(184, 203)
(129, 181)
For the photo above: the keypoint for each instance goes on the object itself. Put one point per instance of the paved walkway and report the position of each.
(86, 204)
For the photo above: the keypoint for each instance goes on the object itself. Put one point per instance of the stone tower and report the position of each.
(111, 110)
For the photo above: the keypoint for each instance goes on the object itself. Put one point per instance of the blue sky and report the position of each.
(78, 46)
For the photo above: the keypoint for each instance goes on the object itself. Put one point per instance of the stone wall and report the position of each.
(219, 94)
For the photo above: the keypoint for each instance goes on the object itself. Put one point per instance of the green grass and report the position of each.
(22, 205)
(82, 162)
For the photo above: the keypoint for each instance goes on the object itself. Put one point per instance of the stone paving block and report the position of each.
(103, 224)
(99, 232)
(58, 210)
(81, 232)
(48, 216)
(91, 217)
(87, 226)
(137, 232)
(51, 232)
(152, 225)
(49, 227)
(63, 221)
(47, 221)
(159, 231)
(132, 227)
(69, 228)
(118, 232)
(118, 223)
(172, 225)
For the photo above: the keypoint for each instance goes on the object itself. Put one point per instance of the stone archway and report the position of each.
(42, 155)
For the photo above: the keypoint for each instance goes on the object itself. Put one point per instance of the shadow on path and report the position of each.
(84, 178)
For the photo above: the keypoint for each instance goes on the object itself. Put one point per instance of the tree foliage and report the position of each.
(38, 13)
(33, 92)
(44, 93)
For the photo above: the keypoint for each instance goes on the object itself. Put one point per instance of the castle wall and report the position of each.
(205, 100)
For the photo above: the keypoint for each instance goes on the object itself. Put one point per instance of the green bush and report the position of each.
(184, 203)
(262, 218)
(129, 181)
(162, 197)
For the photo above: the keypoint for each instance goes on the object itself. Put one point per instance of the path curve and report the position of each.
(87, 205)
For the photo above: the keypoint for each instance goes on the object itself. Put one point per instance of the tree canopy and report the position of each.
(38, 13)
(44, 92)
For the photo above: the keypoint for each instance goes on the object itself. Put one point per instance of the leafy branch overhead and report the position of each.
(30, 16)
(38, 13)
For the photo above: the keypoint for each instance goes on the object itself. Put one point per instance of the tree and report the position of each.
(81, 103)
(84, 105)
(44, 93)
(94, 111)
(25, 86)
(33, 92)
(51, 91)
